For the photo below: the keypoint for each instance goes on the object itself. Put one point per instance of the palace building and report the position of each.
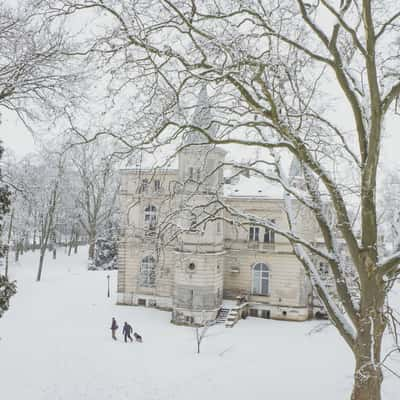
(192, 242)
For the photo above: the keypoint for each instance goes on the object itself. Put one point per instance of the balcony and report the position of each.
(268, 246)
(255, 245)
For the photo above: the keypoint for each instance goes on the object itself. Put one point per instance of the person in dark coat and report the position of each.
(127, 330)
(114, 327)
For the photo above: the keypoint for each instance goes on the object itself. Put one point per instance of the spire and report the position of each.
(295, 169)
(299, 177)
(296, 176)
(201, 118)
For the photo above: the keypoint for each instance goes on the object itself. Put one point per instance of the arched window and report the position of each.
(148, 272)
(260, 279)
(150, 216)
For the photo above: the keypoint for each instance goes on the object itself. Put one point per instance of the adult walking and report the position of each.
(114, 327)
(127, 330)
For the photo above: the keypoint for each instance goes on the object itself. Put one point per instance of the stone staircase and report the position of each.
(222, 315)
(232, 318)
(230, 313)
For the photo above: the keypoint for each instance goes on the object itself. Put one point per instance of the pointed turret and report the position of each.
(201, 118)
(295, 169)
(296, 176)
(198, 280)
(199, 160)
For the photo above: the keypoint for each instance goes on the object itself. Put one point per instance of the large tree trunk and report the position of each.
(367, 387)
(368, 375)
(91, 250)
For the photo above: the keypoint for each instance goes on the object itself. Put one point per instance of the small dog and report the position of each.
(137, 337)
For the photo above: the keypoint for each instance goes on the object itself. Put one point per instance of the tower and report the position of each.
(199, 253)
(296, 177)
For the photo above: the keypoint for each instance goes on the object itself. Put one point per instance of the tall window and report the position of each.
(150, 216)
(143, 186)
(191, 173)
(157, 185)
(254, 233)
(193, 223)
(260, 279)
(269, 234)
(147, 272)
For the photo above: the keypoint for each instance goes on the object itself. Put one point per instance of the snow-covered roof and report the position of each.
(254, 187)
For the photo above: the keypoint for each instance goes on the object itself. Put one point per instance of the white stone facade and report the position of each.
(182, 250)
(195, 271)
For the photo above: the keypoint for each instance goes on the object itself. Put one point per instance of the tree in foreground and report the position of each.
(39, 80)
(316, 80)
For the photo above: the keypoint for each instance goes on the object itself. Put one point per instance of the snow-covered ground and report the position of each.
(56, 345)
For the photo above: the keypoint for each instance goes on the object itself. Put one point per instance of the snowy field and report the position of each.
(56, 345)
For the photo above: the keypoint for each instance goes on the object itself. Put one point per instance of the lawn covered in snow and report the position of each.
(56, 345)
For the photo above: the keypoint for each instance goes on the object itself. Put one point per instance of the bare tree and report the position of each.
(26, 181)
(201, 333)
(4, 202)
(98, 187)
(7, 288)
(39, 79)
(51, 198)
(283, 73)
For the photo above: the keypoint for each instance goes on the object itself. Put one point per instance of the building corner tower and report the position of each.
(198, 285)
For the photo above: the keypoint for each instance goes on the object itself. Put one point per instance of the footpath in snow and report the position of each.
(56, 345)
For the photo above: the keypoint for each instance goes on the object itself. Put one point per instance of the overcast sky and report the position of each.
(18, 139)
(16, 136)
